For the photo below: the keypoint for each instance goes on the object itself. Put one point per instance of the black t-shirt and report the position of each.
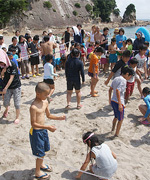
(12, 70)
(14, 47)
(117, 67)
(33, 48)
(67, 36)
(105, 44)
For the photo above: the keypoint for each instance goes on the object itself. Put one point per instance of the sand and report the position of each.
(67, 149)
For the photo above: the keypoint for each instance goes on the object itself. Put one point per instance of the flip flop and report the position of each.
(42, 177)
(145, 122)
(95, 95)
(67, 107)
(48, 169)
(79, 106)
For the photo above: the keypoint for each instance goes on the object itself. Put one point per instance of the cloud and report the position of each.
(142, 10)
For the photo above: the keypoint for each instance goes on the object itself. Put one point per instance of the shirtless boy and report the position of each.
(38, 133)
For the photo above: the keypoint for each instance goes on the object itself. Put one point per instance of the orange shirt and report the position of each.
(94, 60)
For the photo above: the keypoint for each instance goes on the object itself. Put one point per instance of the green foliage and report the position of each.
(130, 9)
(77, 5)
(9, 8)
(116, 12)
(54, 10)
(103, 8)
(75, 13)
(88, 7)
(47, 4)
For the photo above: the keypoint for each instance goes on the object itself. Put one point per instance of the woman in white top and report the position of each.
(106, 164)
(92, 34)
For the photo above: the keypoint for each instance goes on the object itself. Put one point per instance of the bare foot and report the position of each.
(141, 119)
(16, 121)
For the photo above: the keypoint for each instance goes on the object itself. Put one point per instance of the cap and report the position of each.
(9, 53)
(139, 33)
(1, 36)
(49, 31)
(116, 30)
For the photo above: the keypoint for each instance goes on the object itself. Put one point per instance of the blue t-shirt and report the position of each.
(16, 62)
(58, 61)
(16, 56)
(120, 38)
(147, 101)
(147, 53)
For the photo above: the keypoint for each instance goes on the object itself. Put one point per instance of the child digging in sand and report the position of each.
(106, 164)
(118, 87)
(145, 109)
(38, 133)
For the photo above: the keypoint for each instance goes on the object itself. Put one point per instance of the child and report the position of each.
(93, 70)
(147, 54)
(83, 54)
(72, 45)
(141, 66)
(117, 101)
(129, 45)
(62, 47)
(38, 133)
(113, 56)
(145, 109)
(89, 50)
(131, 82)
(116, 71)
(106, 164)
(35, 57)
(49, 74)
(120, 38)
(13, 50)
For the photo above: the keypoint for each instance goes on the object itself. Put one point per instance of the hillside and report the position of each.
(60, 14)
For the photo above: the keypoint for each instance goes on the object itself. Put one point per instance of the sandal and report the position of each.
(48, 169)
(145, 122)
(42, 177)
(79, 106)
(67, 107)
(95, 95)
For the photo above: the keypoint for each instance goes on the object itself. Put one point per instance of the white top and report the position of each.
(52, 39)
(132, 79)
(106, 164)
(120, 84)
(92, 37)
(141, 61)
(49, 71)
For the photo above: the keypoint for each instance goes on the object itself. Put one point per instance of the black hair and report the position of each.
(68, 27)
(82, 45)
(72, 43)
(46, 38)
(36, 38)
(1, 37)
(133, 61)
(97, 42)
(121, 29)
(63, 58)
(44, 32)
(76, 44)
(129, 40)
(75, 52)
(113, 40)
(126, 69)
(21, 36)
(28, 37)
(146, 43)
(48, 57)
(125, 41)
(79, 25)
(90, 45)
(146, 90)
(13, 49)
(17, 31)
(41, 87)
(13, 38)
(94, 139)
(105, 29)
(143, 47)
(3, 48)
(9, 53)
(99, 49)
(62, 38)
(126, 53)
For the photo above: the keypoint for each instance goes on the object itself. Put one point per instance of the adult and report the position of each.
(51, 36)
(92, 34)
(17, 34)
(66, 35)
(12, 84)
(98, 34)
(2, 45)
(73, 69)
(15, 46)
(77, 33)
(139, 41)
(104, 38)
(120, 38)
(24, 57)
(47, 47)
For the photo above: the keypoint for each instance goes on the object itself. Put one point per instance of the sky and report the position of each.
(142, 7)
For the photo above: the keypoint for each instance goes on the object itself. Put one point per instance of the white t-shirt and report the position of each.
(49, 71)
(132, 79)
(141, 61)
(52, 39)
(92, 37)
(120, 84)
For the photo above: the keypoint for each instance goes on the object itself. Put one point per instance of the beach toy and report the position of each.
(145, 32)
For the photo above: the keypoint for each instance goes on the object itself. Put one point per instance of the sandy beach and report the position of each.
(67, 149)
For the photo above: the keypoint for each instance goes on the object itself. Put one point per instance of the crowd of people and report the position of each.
(127, 61)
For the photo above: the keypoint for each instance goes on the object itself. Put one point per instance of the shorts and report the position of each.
(103, 60)
(16, 96)
(39, 142)
(67, 44)
(73, 84)
(91, 74)
(119, 115)
(34, 60)
(63, 51)
(49, 81)
(129, 89)
(113, 58)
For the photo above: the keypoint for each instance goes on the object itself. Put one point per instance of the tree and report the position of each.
(9, 8)
(130, 8)
(103, 8)
(116, 12)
